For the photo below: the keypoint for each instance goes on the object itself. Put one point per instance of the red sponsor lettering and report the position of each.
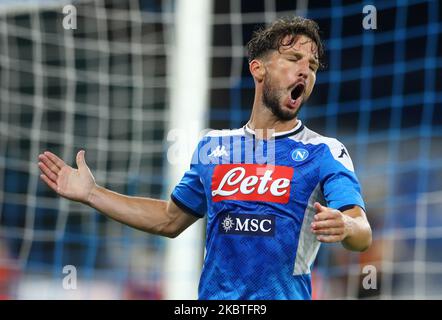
(251, 182)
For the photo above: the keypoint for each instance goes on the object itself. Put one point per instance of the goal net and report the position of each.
(104, 87)
(101, 87)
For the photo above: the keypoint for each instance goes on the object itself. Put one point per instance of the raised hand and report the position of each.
(330, 225)
(70, 183)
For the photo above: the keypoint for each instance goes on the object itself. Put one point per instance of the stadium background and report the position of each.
(105, 87)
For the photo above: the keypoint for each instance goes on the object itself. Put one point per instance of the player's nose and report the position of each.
(303, 74)
(303, 69)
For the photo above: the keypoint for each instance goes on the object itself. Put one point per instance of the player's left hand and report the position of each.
(330, 225)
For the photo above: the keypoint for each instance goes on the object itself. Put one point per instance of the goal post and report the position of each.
(189, 75)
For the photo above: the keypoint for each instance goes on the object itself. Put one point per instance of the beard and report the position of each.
(271, 98)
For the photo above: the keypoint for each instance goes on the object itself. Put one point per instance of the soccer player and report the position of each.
(272, 191)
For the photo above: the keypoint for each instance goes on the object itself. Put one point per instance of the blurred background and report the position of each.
(133, 70)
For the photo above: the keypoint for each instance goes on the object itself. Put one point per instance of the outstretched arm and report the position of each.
(146, 214)
(350, 227)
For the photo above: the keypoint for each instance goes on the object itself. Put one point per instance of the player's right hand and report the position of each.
(73, 184)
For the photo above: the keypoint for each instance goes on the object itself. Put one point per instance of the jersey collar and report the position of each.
(279, 135)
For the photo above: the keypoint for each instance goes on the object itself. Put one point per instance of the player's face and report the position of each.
(289, 78)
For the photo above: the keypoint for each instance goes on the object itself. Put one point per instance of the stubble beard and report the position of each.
(271, 99)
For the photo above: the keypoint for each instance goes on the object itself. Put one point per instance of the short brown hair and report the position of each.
(271, 38)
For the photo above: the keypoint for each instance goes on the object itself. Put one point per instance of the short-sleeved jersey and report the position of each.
(258, 197)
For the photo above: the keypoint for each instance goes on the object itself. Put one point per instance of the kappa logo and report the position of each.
(343, 152)
(247, 224)
(300, 154)
(219, 151)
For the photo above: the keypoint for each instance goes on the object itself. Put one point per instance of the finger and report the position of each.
(330, 223)
(81, 162)
(329, 231)
(56, 160)
(48, 162)
(50, 174)
(325, 215)
(329, 239)
(49, 182)
(319, 207)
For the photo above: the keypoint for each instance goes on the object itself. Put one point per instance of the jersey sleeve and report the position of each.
(339, 183)
(189, 193)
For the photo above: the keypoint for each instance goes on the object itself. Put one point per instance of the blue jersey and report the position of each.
(258, 196)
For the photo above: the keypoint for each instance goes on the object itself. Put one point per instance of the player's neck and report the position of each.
(264, 123)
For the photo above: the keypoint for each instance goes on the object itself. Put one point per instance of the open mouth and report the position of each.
(297, 91)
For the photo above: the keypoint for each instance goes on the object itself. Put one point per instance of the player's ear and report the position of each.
(257, 69)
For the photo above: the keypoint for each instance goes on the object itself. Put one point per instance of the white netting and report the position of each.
(101, 87)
